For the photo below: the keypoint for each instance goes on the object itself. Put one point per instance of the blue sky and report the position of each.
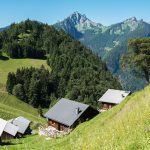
(106, 12)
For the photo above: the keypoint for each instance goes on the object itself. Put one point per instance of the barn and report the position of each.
(112, 98)
(67, 114)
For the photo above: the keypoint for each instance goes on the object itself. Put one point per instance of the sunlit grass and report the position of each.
(11, 107)
(125, 127)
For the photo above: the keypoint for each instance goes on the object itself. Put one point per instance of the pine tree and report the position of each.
(11, 81)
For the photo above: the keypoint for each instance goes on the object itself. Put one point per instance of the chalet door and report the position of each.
(59, 127)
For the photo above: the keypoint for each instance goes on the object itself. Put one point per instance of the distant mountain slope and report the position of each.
(125, 127)
(109, 42)
(4, 28)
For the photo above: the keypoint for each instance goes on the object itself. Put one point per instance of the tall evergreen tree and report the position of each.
(11, 81)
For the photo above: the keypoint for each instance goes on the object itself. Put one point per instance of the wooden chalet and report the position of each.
(67, 114)
(112, 98)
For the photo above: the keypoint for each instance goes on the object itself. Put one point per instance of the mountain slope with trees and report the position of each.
(109, 42)
(76, 73)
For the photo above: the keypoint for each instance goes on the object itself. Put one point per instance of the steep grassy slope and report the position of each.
(125, 127)
(11, 107)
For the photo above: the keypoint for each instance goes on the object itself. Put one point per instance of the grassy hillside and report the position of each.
(11, 107)
(11, 65)
(125, 127)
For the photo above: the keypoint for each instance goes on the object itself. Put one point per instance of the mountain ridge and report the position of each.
(79, 18)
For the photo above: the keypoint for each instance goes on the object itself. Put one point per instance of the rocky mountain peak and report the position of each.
(132, 19)
(77, 18)
(132, 23)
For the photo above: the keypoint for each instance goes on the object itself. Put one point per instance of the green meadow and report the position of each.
(124, 127)
(11, 107)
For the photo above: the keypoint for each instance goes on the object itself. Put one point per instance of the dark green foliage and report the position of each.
(77, 73)
(11, 81)
(31, 85)
(138, 57)
(40, 111)
(24, 40)
(18, 91)
(30, 39)
(0, 53)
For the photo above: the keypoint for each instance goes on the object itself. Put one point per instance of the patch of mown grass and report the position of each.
(11, 65)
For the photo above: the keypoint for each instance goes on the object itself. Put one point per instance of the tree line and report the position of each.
(31, 85)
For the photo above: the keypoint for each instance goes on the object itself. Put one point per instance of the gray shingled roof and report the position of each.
(8, 128)
(114, 96)
(64, 111)
(22, 123)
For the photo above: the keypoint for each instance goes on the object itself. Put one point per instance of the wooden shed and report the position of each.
(67, 114)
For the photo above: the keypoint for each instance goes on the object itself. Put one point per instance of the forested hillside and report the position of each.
(76, 73)
(23, 40)
(31, 85)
